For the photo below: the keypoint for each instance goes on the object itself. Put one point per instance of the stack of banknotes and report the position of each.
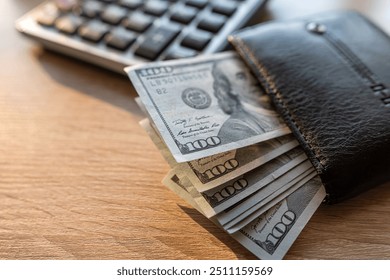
(231, 155)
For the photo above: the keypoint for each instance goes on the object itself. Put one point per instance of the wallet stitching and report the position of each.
(271, 87)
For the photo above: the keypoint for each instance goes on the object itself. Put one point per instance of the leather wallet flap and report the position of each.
(329, 77)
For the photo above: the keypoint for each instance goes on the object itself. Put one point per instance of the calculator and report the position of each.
(117, 33)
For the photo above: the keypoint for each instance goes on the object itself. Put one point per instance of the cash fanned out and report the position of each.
(232, 157)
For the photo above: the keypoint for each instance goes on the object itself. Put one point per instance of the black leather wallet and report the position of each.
(329, 77)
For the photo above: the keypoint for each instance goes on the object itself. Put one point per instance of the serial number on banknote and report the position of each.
(242, 270)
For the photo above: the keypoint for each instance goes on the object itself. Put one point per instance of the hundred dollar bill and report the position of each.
(271, 235)
(205, 106)
(268, 192)
(220, 198)
(258, 209)
(212, 171)
(247, 216)
(227, 194)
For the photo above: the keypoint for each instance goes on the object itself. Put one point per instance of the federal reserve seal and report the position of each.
(196, 98)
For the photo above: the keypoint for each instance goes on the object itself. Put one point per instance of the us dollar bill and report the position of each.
(238, 195)
(205, 106)
(286, 187)
(251, 203)
(258, 209)
(271, 235)
(237, 190)
(212, 171)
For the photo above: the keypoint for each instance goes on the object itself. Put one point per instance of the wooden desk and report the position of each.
(79, 178)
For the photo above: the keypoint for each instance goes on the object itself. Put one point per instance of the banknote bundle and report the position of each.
(231, 155)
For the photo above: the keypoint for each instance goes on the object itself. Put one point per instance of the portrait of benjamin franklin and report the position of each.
(239, 96)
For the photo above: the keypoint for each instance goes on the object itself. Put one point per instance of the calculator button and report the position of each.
(212, 22)
(90, 9)
(131, 4)
(197, 40)
(93, 31)
(138, 22)
(226, 8)
(155, 8)
(156, 39)
(48, 15)
(120, 39)
(68, 24)
(184, 14)
(66, 5)
(180, 52)
(197, 3)
(113, 14)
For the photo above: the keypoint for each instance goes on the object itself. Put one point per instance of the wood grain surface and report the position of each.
(80, 179)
